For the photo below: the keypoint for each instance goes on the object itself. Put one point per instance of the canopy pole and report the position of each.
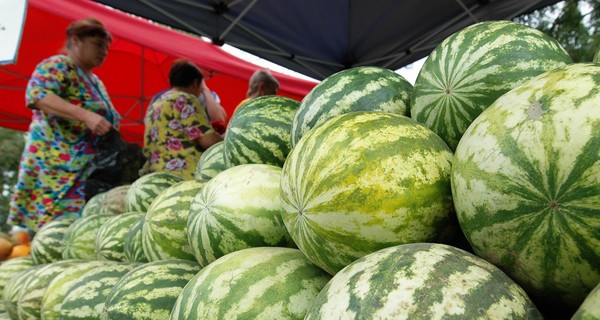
(467, 10)
(237, 20)
(174, 18)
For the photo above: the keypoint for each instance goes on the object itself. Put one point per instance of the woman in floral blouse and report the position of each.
(71, 109)
(177, 129)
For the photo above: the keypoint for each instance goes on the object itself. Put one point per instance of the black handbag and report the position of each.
(116, 163)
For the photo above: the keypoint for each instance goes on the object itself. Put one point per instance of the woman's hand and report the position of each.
(97, 123)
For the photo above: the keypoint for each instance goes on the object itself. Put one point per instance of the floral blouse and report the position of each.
(173, 122)
(57, 154)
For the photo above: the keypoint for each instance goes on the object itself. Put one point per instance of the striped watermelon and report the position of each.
(473, 67)
(78, 242)
(255, 283)
(259, 132)
(134, 251)
(13, 288)
(239, 208)
(110, 239)
(29, 302)
(149, 291)
(94, 205)
(212, 161)
(164, 232)
(422, 281)
(46, 244)
(143, 190)
(364, 181)
(526, 185)
(4, 316)
(356, 89)
(597, 55)
(60, 286)
(8, 270)
(114, 201)
(590, 308)
(87, 296)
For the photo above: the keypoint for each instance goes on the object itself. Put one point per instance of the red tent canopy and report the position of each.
(137, 65)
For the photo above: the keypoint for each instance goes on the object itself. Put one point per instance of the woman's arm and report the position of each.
(207, 140)
(53, 104)
(215, 111)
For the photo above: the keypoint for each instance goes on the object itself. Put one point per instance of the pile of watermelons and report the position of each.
(474, 193)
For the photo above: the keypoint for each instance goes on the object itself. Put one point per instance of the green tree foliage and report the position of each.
(11, 144)
(574, 23)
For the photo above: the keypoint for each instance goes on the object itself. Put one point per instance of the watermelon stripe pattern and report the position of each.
(259, 132)
(356, 89)
(149, 291)
(211, 162)
(238, 209)
(422, 281)
(93, 205)
(142, 191)
(87, 297)
(473, 67)
(46, 244)
(60, 286)
(164, 232)
(134, 251)
(364, 181)
(78, 242)
(526, 184)
(13, 289)
(8, 270)
(110, 239)
(255, 283)
(590, 308)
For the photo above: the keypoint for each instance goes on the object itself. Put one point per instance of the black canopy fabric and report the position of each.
(320, 37)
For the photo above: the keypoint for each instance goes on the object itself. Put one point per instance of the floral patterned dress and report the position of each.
(173, 122)
(55, 161)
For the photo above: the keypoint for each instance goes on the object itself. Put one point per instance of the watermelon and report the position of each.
(149, 291)
(110, 239)
(597, 55)
(13, 288)
(29, 301)
(142, 191)
(473, 67)
(134, 251)
(94, 205)
(238, 209)
(212, 161)
(357, 89)
(46, 244)
(60, 286)
(87, 296)
(114, 201)
(164, 232)
(78, 241)
(9, 269)
(259, 132)
(590, 308)
(254, 283)
(526, 185)
(422, 281)
(364, 181)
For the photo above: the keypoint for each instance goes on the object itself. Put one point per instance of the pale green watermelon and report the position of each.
(239, 208)
(473, 67)
(94, 205)
(78, 242)
(421, 281)
(255, 283)
(597, 55)
(60, 286)
(149, 291)
(8, 270)
(212, 161)
(164, 232)
(114, 201)
(13, 288)
(259, 132)
(364, 181)
(110, 239)
(47, 242)
(29, 301)
(134, 251)
(526, 185)
(142, 191)
(590, 308)
(357, 89)
(87, 296)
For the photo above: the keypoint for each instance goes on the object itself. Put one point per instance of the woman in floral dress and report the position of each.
(71, 109)
(177, 129)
